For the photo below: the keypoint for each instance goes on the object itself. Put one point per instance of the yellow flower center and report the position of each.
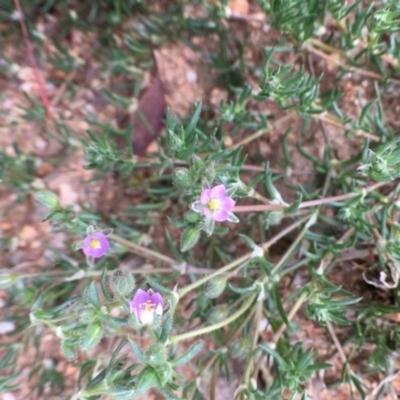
(95, 244)
(214, 205)
(149, 306)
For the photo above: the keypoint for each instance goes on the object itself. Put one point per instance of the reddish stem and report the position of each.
(305, 204)
(32, 60)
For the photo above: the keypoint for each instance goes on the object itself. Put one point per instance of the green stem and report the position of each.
(240, 260)
(282, 328)
(207, 329)
(256, 325)
(306, 204)
(300, 300)
(292, 247)
(143, 251)
(262, 132)
(178, 266)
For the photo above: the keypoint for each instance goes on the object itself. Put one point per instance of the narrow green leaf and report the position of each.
(137, 351)
(192, 352)
(69, 349)
(104, 287)
(280, 361)
(92, 336)
(277, 298)
(189, 238)
(166, 329)
(193, 122)
(94, 295)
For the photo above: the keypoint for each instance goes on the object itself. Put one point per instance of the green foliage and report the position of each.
(322, 207)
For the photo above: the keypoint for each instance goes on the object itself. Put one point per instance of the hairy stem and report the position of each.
(240, 260)
(207, 329)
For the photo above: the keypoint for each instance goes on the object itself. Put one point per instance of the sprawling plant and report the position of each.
(248, 244)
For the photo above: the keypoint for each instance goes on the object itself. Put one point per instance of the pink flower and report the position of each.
(95, 245)
(145, 304)
(215, 204)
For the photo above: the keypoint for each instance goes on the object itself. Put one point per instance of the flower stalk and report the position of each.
(207, 329)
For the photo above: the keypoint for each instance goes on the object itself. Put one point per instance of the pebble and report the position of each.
(67, 195)
(6, 327)
(28, 233)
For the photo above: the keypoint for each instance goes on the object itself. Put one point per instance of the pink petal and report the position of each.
(157, 299)
(220, 215)
(140, 297)
(97, 253)
(205, 196)
(227, 203)
(197, 206)
(207, 212)
(218, 192)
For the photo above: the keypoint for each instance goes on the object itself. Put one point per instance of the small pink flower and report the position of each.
(145, 304)
(215, 204)
(95, 245)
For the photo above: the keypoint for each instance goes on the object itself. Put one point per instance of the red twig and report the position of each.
(32, 60)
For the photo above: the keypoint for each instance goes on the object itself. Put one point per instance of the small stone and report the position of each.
(44, 169)
(35, 244)
(8, 396)
(28, 233)
(67, 195)
(6, 327)
(41, 144)
(191, 76)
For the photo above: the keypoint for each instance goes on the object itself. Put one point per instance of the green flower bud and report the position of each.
(87, 315)
(146, 379)
(273, 218)
(183, 178)
(156, 355)
(240, 348)
(47, 199)
(164, 373)
(174, 142)
(7, 279)
(197, 163)
(70, 349)
(192, 217)
(215, 287)
(122, 283)
(217, 315)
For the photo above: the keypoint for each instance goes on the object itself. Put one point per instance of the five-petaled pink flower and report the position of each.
(95, 245)
(215, 204)
(145, 304)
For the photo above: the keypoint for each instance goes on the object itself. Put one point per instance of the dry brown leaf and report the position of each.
(152, 109)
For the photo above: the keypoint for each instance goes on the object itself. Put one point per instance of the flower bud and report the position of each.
(174, 142)
(156, 354)
(183, 178)
(146, 379)
(215, 287)
(122, 283)
(240, 348)
(217, 315)
(47, 199)
(7, 279)
(164, 373)
(87, 315)
(273, 218)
